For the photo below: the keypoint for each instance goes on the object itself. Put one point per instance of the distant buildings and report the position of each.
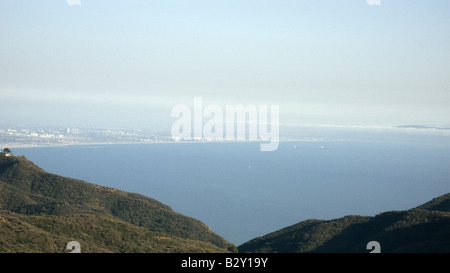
(17, 137)
(6, 152)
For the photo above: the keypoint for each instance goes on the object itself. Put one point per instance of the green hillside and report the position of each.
(42, 212)
(31, 199)
(422, 229)
(96, 234)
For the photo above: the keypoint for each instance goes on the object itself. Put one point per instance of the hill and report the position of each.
(96, 234)
(422, 229)
(31, 198)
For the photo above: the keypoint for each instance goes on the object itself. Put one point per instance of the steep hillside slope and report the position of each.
(27, 190)
(422, 229)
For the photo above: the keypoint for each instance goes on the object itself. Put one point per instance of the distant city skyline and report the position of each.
(127, 63)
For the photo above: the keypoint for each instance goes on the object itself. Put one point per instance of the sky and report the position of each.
(128, 63)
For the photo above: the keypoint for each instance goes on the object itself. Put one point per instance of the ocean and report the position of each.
(242, 193)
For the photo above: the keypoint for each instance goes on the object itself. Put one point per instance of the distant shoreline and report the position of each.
(372, 138)
(15, 146)
(310, 134)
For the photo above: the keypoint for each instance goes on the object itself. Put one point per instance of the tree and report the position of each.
(6, 151)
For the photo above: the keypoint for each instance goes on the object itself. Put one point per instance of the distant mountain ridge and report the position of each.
(413, 126)
(422, 229)
(31, 197)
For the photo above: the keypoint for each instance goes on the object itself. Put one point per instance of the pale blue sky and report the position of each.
(129, 62)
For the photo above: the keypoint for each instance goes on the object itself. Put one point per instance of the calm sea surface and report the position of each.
(242, 193)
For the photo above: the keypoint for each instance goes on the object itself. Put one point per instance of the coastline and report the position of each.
(55, 145)
(411, 137)
(15, 146)
(308, 133)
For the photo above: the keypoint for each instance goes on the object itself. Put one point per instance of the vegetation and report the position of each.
(422, 229)
(96, 234)
(42, 210)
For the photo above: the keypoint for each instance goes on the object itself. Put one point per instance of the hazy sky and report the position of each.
(129, 62)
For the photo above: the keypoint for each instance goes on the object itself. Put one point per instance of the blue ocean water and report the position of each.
(242, 193)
